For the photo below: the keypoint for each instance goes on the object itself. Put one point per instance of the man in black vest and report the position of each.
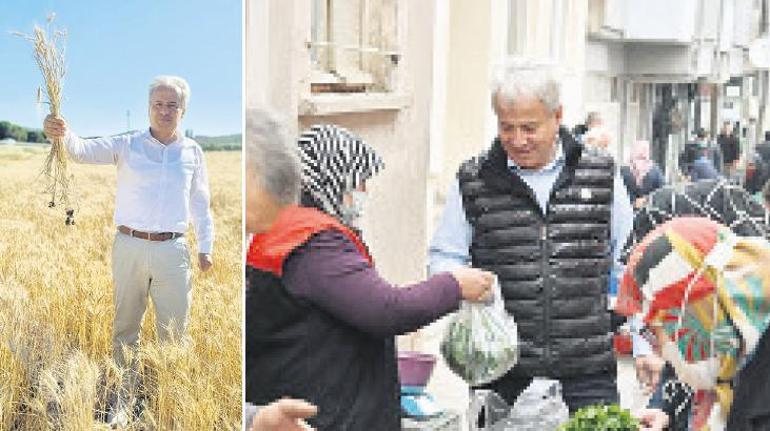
(549, 218)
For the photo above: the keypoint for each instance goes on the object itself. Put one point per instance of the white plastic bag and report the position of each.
(540, 407)
(481, 343)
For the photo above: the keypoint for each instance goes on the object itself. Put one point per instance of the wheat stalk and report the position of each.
(48, 49)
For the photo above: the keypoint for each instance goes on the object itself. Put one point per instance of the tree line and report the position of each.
(219, 143)
(19, 133)
(22, 134)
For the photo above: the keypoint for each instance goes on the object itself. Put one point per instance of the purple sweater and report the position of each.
(329, 272)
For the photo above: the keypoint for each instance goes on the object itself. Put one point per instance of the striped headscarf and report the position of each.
(334, 161)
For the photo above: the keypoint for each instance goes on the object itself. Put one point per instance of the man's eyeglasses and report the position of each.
(159, 106)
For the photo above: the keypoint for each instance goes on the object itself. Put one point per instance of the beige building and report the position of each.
(308, 60)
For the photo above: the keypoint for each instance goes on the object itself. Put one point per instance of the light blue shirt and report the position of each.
(450, 246)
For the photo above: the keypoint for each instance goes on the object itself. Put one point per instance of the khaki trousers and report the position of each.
(158, 269)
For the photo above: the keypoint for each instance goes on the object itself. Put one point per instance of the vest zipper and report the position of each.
(546, 294)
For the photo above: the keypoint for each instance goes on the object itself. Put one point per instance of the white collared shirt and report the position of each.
(541, 180)
(159, 187)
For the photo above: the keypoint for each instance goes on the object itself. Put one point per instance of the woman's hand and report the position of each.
(648, 370)
(652, 420)
(284, 415)
(475, 284)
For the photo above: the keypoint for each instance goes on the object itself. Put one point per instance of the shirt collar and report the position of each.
(557, 161)
(149, 137)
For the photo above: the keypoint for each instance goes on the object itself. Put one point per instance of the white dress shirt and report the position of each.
(159, 187)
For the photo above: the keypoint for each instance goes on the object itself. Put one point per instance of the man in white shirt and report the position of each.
(161, 184)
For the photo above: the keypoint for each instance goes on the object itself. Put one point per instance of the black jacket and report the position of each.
(651, 182)
(716, 199)
(751, 401)
(730, 147)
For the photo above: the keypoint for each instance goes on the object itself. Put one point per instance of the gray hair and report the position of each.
(593, 116)
(272, 156)
(179, 85)
(523, 77)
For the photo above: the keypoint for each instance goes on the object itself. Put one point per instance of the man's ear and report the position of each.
(558, 114)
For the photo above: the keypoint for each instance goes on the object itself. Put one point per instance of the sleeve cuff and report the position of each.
(641, 346)
(438, 265)
(249, 412)
(205, 247)
(454, 295)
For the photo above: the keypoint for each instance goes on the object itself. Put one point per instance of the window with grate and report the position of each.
(353, 46)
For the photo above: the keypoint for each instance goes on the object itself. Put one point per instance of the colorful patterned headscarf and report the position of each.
(707, 288)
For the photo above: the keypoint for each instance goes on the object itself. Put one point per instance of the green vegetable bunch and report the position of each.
(481, 343)
(601, 418)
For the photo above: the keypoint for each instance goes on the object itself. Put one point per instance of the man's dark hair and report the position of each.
(702, 133)
(580, 129)
(767, 135)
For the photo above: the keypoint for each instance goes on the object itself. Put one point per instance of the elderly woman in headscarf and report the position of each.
(642, 175)
(705, 294)
(320, 321)
(335, 167)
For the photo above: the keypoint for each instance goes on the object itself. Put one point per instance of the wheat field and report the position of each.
(56, 309)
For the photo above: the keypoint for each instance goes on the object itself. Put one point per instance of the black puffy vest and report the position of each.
(553, 268)
(296, 350)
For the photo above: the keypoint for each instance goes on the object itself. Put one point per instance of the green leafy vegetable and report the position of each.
(601, 418)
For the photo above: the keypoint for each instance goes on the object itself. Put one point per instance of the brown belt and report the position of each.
(149, 236)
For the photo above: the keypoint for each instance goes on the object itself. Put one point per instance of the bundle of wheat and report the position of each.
(48, 46)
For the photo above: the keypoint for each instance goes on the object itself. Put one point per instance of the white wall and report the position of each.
(257, 56)
(468, 61)
(660, 20)
(460, 118)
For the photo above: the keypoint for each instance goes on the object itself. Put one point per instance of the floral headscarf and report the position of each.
(707, 288)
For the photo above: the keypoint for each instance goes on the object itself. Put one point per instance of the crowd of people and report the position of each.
(702, 158)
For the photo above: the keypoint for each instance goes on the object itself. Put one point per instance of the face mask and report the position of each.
(700, 376)
(352, 212)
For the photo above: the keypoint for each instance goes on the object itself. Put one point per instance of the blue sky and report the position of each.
(114, 49)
